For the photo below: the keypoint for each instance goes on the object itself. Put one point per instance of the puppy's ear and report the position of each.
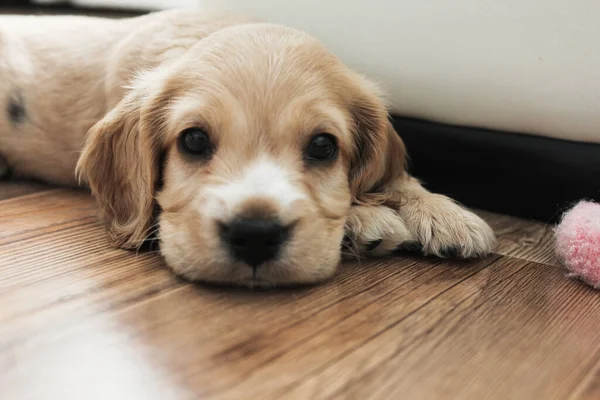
(120, 163)
(380, 157)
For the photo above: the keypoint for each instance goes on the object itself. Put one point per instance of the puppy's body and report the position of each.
(64, 73)
(117, 99)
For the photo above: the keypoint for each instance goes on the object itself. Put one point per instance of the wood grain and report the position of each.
(519, 238)
(80, 319)
(9, 189)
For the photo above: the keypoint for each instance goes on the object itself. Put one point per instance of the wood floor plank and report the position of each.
(519, 238)
(589, 388)
(80, 319)
(9, 189)
(523, 334)
(592, 390)
(43, 213)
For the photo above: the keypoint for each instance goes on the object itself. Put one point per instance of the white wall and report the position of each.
(522, 65)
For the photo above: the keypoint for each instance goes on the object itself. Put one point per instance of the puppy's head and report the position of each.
(254, 146)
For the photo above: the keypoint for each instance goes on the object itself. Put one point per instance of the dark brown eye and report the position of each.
(322, 147)
(195, 141)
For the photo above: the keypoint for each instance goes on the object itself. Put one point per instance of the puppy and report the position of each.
(246, 147)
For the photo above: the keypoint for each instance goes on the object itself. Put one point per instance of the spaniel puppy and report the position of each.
(246, 147)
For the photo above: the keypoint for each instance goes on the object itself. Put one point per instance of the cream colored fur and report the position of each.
(110, 97)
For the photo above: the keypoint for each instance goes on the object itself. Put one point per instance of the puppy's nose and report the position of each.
(254, 240)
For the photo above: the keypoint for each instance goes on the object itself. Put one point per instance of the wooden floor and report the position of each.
(80, 320)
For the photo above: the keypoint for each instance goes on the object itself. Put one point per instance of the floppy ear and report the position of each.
(380, 156)
(120, 163)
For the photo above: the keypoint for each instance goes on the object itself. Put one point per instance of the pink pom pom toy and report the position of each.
(578, 242)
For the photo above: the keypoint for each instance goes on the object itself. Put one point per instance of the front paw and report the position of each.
(375, 231)
(446, 229)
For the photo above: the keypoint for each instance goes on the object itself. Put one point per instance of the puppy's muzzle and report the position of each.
(255, 240)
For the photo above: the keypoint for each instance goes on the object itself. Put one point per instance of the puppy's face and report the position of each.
(256, 169)
(254, 146)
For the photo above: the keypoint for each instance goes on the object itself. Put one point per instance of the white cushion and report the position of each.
(530, 66)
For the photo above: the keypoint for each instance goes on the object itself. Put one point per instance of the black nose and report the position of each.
(254, 240)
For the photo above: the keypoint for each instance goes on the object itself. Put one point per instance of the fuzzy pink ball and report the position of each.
(578, 242)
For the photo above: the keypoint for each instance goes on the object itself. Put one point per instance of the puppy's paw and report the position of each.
(376, 231)
(445, 229)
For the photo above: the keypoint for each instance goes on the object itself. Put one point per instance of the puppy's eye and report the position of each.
(322, 147)
(195, 141)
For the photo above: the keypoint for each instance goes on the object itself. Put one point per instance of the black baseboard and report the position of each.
(522, 175)
(24, 7)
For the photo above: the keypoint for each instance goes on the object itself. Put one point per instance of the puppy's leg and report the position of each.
(439, 225)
